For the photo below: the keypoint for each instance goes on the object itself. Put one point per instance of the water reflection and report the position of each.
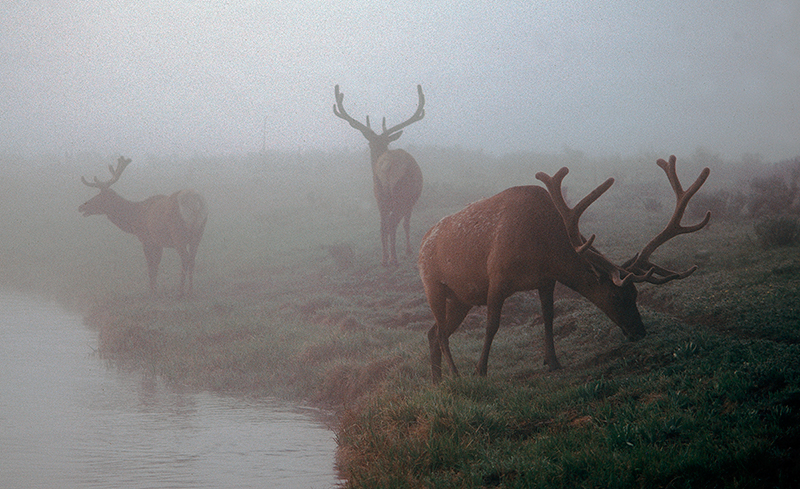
(68, 421)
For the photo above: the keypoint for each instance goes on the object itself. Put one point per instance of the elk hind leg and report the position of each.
(448, 313)
(194, 243)
(407, 228)
(388, 238)
(494, 307)
(153, 255)
(187, 266)
(456, 311)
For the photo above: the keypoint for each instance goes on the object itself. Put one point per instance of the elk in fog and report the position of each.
(396, 177)
(174, 221)
(527, 238)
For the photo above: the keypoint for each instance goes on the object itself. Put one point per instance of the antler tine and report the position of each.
(338, 110)
(571, 216)
(418, 115)
(122, 163)
(641, 262)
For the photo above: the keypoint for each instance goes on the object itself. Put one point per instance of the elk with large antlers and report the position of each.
(396, 177)
(527, 238)
(174, 221)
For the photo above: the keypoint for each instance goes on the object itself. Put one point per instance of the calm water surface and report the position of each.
(67, 420)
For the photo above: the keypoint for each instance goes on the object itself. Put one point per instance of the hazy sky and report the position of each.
(186, 77)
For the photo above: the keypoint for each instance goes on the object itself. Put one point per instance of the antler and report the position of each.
(573, 215)
(639, 267)
(122, 162)
(418, 115)
(394, 132)
(338, 110)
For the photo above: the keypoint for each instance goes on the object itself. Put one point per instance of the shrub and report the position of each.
(778, 231)
(723, 204)
(778, 192)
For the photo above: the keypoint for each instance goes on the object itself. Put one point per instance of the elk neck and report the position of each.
(125, 214)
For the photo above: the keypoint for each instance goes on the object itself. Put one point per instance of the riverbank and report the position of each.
(710, 397)
(291, 301)
(296, 333)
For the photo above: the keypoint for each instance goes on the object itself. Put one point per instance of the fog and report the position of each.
(207, 78)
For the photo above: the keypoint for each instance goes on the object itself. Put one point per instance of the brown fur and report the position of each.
(396, 176)
(397, 183)
(176, 221)
(513, 241)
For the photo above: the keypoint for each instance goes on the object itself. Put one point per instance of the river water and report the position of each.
(69, 421)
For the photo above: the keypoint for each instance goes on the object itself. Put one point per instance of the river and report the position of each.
(67, 420)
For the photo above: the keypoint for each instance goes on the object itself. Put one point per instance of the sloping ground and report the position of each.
(708, 398)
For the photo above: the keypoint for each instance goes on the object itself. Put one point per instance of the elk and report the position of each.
(527, 238)
(396, 177)
(174, 221)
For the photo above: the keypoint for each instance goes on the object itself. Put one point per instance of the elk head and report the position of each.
(528, 238)
(379, 143)
(100, 203)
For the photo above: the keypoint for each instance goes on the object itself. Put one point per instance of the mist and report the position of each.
(209, 78)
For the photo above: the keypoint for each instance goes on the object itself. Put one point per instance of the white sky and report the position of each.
(188, 77)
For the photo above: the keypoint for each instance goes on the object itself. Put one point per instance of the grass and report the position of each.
(710, 398)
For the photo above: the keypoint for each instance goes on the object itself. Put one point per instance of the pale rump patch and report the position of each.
(192, 208)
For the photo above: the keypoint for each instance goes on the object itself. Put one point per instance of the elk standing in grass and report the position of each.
(175, 221)
(527, 238)
(396, 177)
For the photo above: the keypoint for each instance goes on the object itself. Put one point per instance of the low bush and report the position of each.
(778, 231)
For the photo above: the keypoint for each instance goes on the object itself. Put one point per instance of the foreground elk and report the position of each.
(175, 221)
(527, 238)
(396, 177)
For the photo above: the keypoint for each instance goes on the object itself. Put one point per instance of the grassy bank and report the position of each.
(291, 301)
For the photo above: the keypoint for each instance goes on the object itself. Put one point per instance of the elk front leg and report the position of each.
(546, 300)
(153, 255)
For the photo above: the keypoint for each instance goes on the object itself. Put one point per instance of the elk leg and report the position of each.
(448, 313)
(190, 266)
(546, 299)
(436, 353)
(153, 255)
(494, 306)
(186, 268)
(385, 238)
(437, 299)
(194, 243)
(391, 236)
(456, 312)
(407, 228)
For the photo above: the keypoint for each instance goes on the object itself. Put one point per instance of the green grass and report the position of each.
(710, 398)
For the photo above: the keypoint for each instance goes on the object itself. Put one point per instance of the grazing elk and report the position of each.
(527, 238)
(396, 177)
(175, 221)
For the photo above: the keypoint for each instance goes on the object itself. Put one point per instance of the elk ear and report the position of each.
(395, 136)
